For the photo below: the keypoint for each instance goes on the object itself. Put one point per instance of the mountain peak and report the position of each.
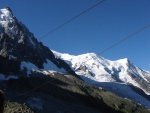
(8, 8)
(20, 50)
(5, 11)
(123, 61)
(6, 17)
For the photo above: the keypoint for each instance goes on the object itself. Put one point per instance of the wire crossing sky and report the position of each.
(77, 16)
(94, 31)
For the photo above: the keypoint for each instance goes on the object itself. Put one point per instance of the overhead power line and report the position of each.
(75, 17)
(50, 81)
(110, 47)
(124, 39)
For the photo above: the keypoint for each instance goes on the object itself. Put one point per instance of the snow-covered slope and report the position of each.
(6, 17)
(100, 69)
(124, 91)
(114, 76)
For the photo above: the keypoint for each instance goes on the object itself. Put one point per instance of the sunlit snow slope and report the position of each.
(98, 69)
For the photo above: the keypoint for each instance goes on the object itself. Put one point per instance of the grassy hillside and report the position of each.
(13, 107)
(66, 94)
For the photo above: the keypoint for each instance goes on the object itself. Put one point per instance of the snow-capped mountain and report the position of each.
(20, 52)
(115, 76)
(100, 69)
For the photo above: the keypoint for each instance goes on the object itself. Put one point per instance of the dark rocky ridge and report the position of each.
(143, 83)
(19, 44)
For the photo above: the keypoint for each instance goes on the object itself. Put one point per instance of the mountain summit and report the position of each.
(99, 69)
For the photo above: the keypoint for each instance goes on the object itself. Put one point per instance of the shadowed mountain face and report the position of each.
(18, 44)
(65, 94)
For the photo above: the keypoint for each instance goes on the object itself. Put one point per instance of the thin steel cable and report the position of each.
(34, 88)
(124, 39)
(71, 19)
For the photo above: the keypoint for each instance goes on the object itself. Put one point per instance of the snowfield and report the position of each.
(100, 69)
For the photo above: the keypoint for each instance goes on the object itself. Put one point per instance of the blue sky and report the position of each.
(94, 31)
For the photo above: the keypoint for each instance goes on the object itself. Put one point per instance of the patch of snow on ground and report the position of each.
(29, 66)
(47, 72)
(51, 66)
(13, 57)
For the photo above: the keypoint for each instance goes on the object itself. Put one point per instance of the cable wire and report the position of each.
(34, 88)
(71, 19)
(124, 39)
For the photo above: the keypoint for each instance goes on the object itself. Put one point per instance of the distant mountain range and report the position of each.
(51, 82)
